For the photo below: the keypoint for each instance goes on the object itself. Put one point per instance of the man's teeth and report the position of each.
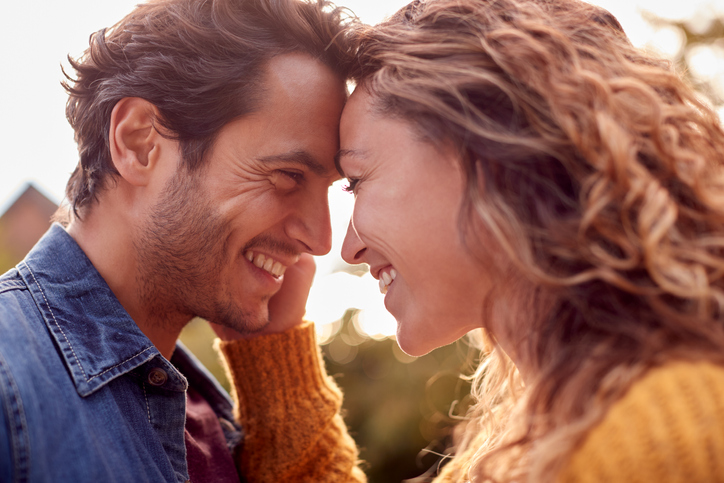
(266, 263)
(386, 279)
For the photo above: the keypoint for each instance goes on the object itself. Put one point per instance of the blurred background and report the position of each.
(399, 409)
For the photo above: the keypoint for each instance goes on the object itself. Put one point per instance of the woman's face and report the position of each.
(405, 226)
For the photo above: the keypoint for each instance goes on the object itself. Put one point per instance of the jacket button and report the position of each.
(157, 377)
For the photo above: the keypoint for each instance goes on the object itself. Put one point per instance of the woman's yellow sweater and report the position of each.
(668, 428)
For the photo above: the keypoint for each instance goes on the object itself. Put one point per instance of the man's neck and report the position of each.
(107, 241)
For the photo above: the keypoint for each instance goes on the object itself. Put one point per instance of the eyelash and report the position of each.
(351, 186)
(293, 175)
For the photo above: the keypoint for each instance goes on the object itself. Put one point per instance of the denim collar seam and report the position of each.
(120, 363)
(50, 309)
(6, 285)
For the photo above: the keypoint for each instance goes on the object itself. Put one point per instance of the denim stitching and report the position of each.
(148, 407)
(11, 284)
(120, 363)
(56, 321)
(18, 424)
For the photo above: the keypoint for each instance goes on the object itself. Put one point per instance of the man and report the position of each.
(207, 132)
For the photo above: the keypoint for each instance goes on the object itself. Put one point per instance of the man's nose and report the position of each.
(311, 225)
(353, 249)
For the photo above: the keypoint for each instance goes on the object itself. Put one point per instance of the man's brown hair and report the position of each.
(200, 62)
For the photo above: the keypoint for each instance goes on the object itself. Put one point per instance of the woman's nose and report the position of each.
(353, 249)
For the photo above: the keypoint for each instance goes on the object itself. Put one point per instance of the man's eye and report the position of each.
(351, 186)
(293, 175)
(287, 180)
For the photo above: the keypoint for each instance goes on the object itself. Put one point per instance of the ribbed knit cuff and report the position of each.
(289, 409)
(279, 373)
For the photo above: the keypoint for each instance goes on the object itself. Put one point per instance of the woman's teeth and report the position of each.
(266, 263)
(386, 278)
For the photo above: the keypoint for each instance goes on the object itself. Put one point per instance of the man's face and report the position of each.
(217, 243)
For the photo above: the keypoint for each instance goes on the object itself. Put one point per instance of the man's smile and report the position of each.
(267, 263)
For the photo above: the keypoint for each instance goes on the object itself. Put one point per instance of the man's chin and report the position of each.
(245, 323)
(258, 328)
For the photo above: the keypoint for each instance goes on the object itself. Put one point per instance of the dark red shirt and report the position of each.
(209, 459)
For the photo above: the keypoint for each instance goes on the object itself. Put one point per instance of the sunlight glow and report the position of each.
(373, 318)
(667, 40)
(333, 294)
(707, 63)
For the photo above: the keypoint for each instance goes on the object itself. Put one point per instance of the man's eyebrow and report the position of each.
(302, 158)
(346, 152)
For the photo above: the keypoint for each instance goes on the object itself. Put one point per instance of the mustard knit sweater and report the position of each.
(668, 428)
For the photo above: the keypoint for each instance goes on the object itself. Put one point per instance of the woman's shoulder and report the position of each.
(668, 427)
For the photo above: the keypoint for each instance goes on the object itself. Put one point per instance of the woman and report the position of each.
(520, 168)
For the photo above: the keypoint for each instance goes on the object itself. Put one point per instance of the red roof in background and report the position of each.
(22, 225)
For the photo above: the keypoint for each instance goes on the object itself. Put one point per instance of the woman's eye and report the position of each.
(350, 188)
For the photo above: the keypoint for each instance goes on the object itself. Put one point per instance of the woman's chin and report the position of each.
(419, 341)
(413, 349)
(412, 344)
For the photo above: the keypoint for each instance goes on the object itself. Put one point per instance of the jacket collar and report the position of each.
(97, 339)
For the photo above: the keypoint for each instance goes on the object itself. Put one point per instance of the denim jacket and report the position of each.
(84, 394)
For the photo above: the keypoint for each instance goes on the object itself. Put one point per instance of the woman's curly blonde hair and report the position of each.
(598, 171)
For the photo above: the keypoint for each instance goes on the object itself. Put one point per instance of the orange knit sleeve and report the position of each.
(668, 428)
(290, 410)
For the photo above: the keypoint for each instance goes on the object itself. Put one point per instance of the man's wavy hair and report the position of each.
(598, 171)
(200, 62)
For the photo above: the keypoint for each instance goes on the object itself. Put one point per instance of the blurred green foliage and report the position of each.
(198, 337)
(397, 407)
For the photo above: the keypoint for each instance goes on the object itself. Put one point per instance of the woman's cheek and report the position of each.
(372, 211)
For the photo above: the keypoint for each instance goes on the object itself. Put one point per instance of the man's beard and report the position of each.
(181, 251)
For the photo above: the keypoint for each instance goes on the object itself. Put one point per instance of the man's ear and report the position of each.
(134, 140)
